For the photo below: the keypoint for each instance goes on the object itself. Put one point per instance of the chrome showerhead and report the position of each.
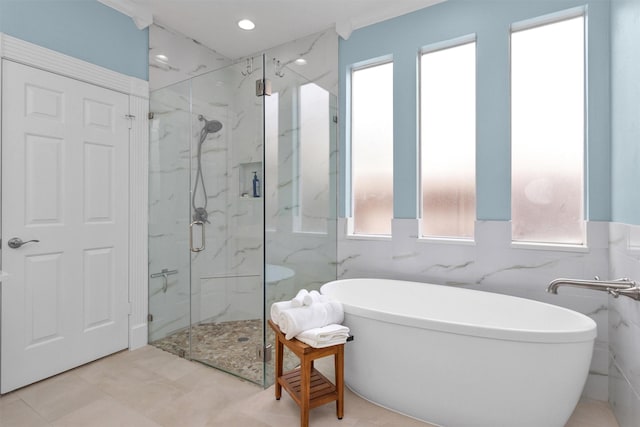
(210, 126)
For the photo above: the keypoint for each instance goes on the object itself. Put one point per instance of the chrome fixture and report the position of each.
(615, 287)
(16, 242)
(249, 67)
(263, 87)
(165, 273)
(278, 68)
(202, 236)
(200, 213)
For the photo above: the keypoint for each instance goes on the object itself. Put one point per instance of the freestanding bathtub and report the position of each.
(463, 358)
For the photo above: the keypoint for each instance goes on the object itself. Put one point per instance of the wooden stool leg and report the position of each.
(278, 367)
(338, 359)
(305, 390)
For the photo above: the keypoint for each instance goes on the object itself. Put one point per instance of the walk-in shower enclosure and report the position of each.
(267, 225)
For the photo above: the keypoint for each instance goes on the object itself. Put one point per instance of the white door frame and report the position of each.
(138, 90)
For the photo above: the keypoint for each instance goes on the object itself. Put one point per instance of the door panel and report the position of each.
(65, 183)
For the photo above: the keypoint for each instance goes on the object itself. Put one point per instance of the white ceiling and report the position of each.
(214, 22)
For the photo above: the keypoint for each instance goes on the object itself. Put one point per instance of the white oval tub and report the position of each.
(463, 358)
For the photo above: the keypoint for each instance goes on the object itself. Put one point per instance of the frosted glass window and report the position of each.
(372, 149)
(271, 107)
(448, 140)
(547, 133)
(313, 185)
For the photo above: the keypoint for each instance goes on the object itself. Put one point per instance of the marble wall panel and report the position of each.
(624, 327)
(186, 57)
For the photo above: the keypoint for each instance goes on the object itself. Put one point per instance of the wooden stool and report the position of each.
(308, 387)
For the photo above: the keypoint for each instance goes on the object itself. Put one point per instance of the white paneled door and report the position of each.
(65, 163)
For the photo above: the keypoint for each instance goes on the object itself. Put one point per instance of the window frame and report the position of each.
(532, 23)
(350, 231)
(432, 48)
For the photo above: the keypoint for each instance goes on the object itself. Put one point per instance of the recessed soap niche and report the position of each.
(247, 171)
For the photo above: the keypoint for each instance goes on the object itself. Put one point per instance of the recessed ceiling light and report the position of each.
(301, 61)
(162, 58)
(246, 24)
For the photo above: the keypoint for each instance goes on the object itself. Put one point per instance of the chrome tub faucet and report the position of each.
(615, 287)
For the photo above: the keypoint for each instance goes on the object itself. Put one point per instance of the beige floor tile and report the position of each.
(60, 395)
(104, 413)
(198, 407)
(592, 413)
(15, 412)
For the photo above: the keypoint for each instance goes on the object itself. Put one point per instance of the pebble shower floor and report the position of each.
(229, 346)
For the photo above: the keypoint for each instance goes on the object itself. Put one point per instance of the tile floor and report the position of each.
(150, 387)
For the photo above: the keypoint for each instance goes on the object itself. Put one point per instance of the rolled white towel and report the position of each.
(313, 297)
(299, 319)
(298, 300)
(279, 307)
(317, 315)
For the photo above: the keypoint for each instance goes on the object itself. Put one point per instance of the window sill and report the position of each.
(556, 247)
(447, 241)
(367, 237)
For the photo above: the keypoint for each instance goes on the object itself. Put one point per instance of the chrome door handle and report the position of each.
(16, 242)
(202, 243)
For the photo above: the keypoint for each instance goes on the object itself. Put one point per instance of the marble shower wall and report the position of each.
(624, 327)
(186, 57)
(491, 264)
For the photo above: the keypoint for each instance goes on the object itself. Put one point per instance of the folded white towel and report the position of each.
(325, 334)
(298, 300)
(317, 315)
(314, 296)
(322, 344)
(279, 307)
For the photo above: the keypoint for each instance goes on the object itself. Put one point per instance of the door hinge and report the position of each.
(149, 317)
(130, 117)
(263, 87)
(264, 353)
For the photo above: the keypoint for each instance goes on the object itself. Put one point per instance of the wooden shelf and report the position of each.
(321, 389)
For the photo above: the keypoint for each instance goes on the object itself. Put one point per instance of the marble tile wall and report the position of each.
(491, 264)
(624, 327)
(186, 57)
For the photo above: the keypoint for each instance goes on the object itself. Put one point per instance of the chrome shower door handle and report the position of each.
(16, 242)
(202, 242)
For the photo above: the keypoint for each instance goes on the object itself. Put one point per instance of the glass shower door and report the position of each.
(169, 256)
(226, 221)
(206, 251)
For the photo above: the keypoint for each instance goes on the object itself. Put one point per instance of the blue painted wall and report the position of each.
(403, 37)
(84, 29)
(625, 111)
